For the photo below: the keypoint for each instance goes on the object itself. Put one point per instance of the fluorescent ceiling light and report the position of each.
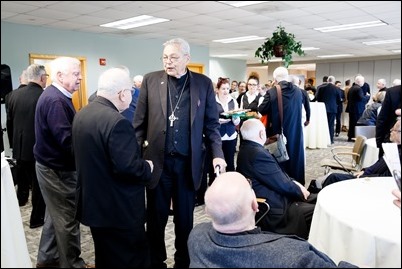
(239, 39)
(133, 22)
(242, 3)
(229, 55)
(344, 27)
(397, 51)
(335, 56)
(380, 42)
(310, 48)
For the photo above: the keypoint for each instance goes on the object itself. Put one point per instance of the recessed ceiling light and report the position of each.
(133, 22)
(344, 27)
(380, 42)
(310, 48)
(242, 3)
(239, 39)
(335, 55)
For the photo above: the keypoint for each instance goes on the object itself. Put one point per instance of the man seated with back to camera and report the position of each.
(233, 241)
(379, 168)
(292, 205)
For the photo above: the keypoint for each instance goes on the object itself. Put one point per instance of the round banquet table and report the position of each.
(14, 250)
(356, 221)
(316, 134)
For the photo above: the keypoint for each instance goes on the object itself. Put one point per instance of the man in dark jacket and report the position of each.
(292, 206)
(111, 175)
(233, 241)
(21, 111)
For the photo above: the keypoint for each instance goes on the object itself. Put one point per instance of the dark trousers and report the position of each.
(120, 248)
(338, 119)
(229, 150)
(24, 179)
(331, 121)
(336, 177)
(175, 184)
(27, 177)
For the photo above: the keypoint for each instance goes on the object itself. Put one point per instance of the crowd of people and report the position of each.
(141, 151)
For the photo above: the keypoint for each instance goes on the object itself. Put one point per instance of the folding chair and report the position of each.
(349, 159)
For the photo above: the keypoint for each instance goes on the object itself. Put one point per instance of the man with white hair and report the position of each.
(292, 205)
(60, 244)
(233, 241)
(112, 175)
(292, 101)
(130, 111)
(357, 101)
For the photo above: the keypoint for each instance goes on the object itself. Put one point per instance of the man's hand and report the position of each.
(221, 163)
(305, 192)
(397, 194)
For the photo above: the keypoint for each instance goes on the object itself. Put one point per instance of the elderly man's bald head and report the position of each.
(231, 203)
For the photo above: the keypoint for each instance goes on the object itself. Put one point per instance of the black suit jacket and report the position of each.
(271, 183)
(21, 111)
(387, 117)
(151, 122)
(111, 173)
(330, 95)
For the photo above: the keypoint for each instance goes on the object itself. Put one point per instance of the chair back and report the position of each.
(367, 131)
(359, 148)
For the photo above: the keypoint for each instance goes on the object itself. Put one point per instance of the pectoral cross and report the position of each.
(172, 118)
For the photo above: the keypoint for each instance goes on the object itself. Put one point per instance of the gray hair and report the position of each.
(181, 43)
(331, 79)
(113, 80)
(35, 71)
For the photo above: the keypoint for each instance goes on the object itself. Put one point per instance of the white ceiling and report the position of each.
(201, 22)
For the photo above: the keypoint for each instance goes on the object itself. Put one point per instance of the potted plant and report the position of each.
(281, 44)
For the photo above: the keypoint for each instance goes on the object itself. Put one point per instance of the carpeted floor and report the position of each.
(313, 170)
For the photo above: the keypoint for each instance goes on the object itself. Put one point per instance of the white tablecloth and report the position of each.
(356, 221)
(316, 134)
(14, 250)
(371, 153)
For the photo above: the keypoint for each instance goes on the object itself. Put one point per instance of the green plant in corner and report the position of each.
(281, 44)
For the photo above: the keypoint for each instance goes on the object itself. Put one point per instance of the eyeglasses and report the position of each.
(46, 75)
(393, 130)
(252, 84)
(173, 59)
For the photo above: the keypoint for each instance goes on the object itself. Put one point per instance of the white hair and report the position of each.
(138, 78)
(113, 80)
(396, 82)
(280, 73)
(63, 65)
(250, 130)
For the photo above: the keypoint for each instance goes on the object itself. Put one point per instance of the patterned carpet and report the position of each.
(313, 170)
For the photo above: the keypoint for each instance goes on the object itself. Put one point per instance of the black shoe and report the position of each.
(36, 225)
(337, 134)
(54, 264)
(313, 187)
(22, 202)
(350, 140)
